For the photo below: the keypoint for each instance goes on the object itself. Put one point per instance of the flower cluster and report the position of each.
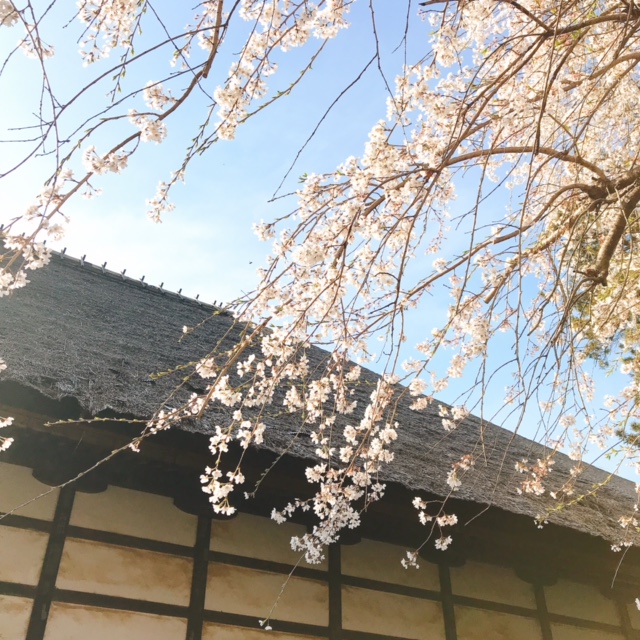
(151, 128)
(279, 25)
(508, 95)
(346, 475)
(112, 162)
(5, 443)
(439, 520)
(160, 203)
(535, 473)
(8, 13)
(32, 255)
(155, 96)
(114, 20)
(452, 416)
(458, 469)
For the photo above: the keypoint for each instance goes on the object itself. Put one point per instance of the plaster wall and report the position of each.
(14, 617)
(391, 614)
(488, 582)
(567, 632)
(480, 624)
(94, 567)
(134, 513)
(256, 537)
(75, 622)
(21, 555)
(252, 592)
(214, 631)
(580, 601)
(128, 553)
(379, 561)
(23, 495)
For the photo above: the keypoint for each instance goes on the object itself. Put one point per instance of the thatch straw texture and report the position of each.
(96, 336)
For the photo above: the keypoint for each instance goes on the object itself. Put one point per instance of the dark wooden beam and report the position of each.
(51, 564)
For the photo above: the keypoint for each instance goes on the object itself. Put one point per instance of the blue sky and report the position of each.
(228, 188)
(206, 246)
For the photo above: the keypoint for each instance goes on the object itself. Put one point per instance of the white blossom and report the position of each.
(8, 14)
(443, 543)
(155, 96)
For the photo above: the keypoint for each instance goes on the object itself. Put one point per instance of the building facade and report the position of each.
(132, 549)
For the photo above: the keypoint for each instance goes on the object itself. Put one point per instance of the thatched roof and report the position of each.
(96, 336)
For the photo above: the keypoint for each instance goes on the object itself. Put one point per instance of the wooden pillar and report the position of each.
(50, 565)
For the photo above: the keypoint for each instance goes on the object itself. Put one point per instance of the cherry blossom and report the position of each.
(535, 102)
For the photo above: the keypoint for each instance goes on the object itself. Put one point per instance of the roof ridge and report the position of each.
(62, 256)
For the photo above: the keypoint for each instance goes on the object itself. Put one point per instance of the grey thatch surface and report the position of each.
(96, 336)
